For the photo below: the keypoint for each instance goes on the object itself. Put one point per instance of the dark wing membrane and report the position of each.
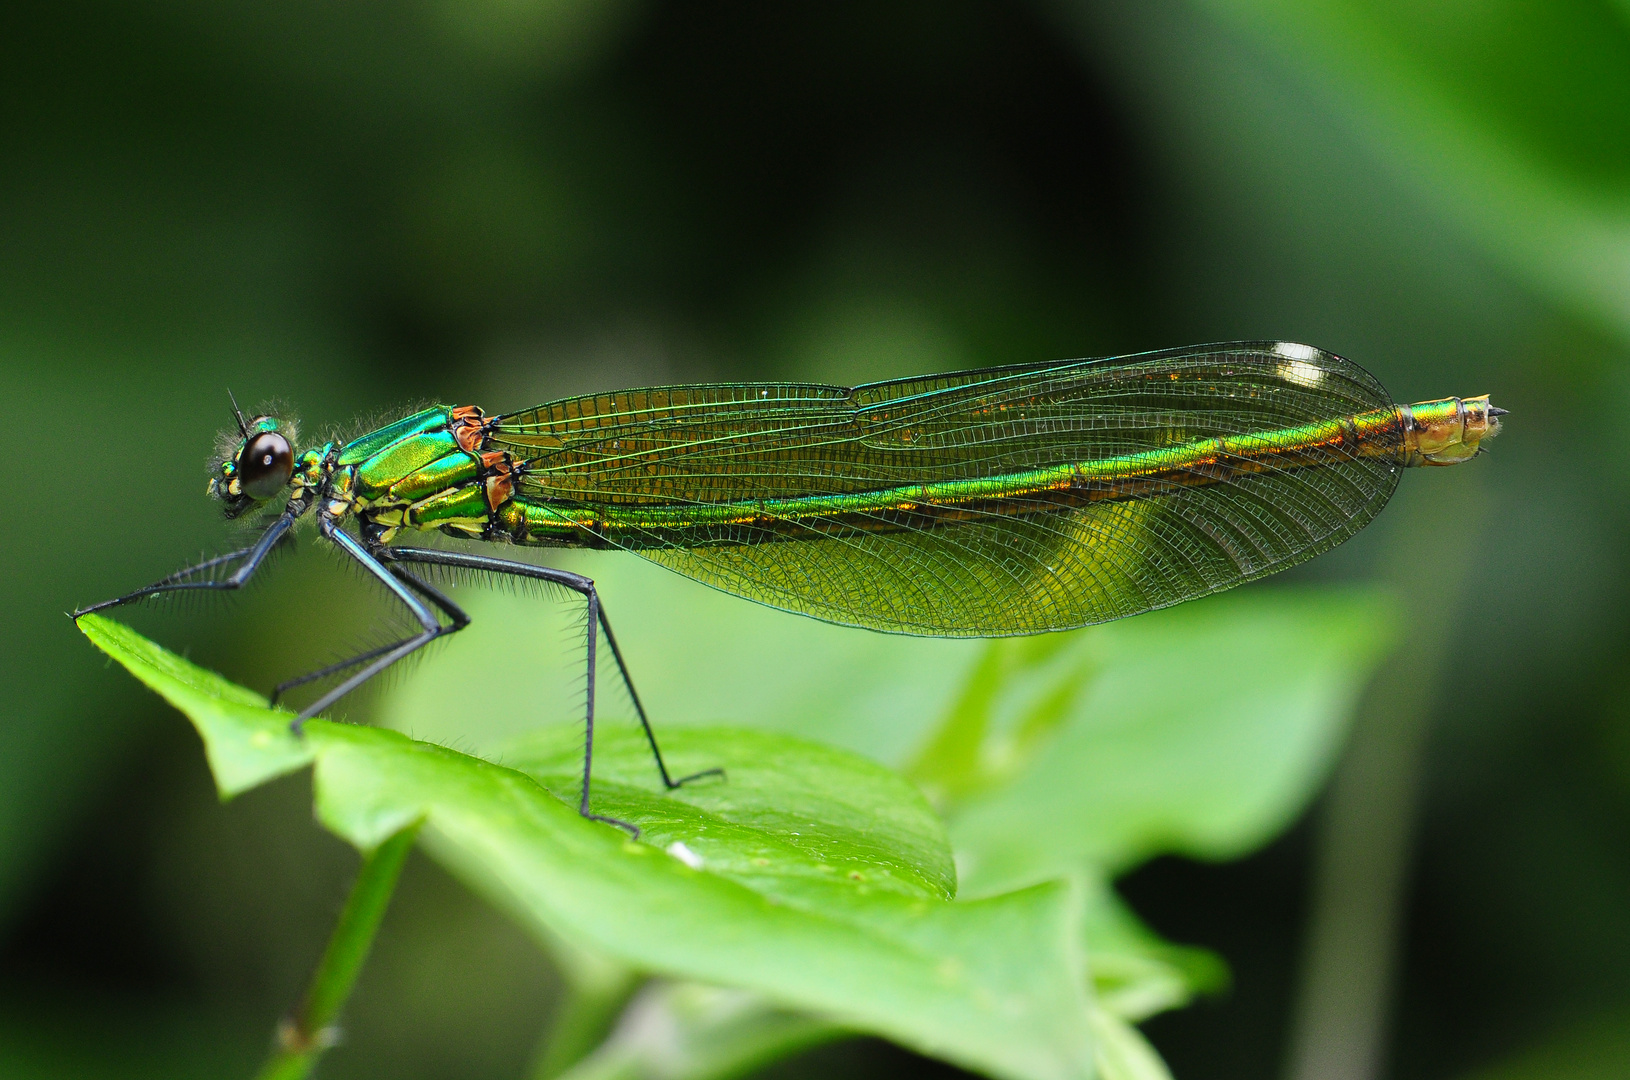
(1011, 573)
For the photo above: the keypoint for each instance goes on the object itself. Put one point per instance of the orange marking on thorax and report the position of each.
(500, 479)
(469, 428)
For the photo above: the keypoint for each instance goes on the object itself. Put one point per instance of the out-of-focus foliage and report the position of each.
(1202, 731)
(1593, 1049)
(353, 208)
(1512, 117)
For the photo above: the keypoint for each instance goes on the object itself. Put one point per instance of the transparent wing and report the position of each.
(1010, 573)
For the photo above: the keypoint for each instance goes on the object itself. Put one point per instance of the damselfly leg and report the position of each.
(423, 600)
(189, 579)
(597, 622)
(459, 621)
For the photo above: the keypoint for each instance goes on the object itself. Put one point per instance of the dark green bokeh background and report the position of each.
(352, 208)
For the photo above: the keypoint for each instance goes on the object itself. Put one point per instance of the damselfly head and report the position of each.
(255, 463)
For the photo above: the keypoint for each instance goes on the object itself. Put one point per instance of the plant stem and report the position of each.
(1366, 838)
(586, 1016)
(303, 1038)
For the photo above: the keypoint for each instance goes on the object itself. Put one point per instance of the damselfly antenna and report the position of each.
(238, 413)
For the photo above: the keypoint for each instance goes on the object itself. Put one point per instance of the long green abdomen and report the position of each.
(1057, 490)
(1003, 501)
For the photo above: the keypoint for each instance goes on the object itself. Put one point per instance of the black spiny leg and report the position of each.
(588, 727)
(376, 660)
(184, 580)
(459, 621)
(597, 621)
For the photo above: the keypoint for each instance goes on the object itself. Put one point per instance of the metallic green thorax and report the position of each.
(425, 471)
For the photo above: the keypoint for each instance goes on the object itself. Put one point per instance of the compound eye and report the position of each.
(265, 465)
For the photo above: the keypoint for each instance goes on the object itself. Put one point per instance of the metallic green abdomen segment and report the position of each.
(712, 444)
(1054, 490)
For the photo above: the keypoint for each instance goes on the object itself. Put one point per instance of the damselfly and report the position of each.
(1011, 500)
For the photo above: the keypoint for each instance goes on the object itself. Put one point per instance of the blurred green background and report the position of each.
(352, 208)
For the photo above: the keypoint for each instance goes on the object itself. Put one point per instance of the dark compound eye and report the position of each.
(265, 465)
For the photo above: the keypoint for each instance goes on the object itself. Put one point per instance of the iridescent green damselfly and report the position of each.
(1011, 500)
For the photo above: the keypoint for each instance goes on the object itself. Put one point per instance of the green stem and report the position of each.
(303, 1038)
(585, 1017)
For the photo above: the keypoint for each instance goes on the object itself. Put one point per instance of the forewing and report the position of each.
(1010, 573)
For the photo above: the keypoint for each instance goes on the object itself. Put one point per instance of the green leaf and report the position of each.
(785, 886)
(686, 1031)
(1136, 973)
(791, 817)
(1122, 1051)
(1203, 730)
(1021, 692)
(247, 744)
